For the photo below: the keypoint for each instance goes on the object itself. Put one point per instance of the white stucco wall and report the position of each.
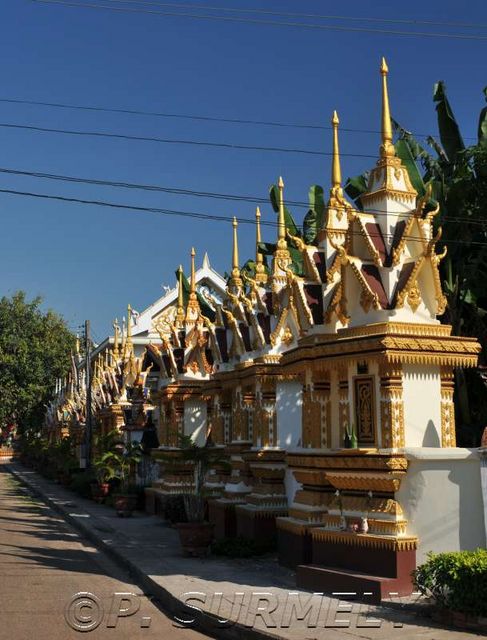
(441, 497)
(422, 405)
(195, 420)
(289, 414)
(483, 476)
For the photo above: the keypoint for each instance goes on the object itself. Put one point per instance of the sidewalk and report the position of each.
(225, 588)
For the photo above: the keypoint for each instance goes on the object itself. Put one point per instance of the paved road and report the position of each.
(44, 563)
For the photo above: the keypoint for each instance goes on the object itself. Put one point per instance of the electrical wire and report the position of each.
(302, 15)
(193, 214)
(159, 114)
(301, 25)
(199, 143)
(192, 193)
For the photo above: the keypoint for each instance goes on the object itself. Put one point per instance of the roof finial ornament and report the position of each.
(180, 308)
(336, 171)
(236, 279)
(116, 329)
(260, 274)
(193, 276)
(281, 227)
(387, 148)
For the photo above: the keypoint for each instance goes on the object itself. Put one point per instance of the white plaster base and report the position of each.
(441, 496)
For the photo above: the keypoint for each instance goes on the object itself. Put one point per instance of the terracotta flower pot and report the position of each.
(99, 491)
(125, 504)
(196, 537)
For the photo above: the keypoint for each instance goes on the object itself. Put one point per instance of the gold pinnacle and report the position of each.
(193, 276)
(235, 267)
(282, 222)
(258, 256)
(336, 172)
(387, 146)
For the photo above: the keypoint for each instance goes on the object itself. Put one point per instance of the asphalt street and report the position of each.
(54, 584)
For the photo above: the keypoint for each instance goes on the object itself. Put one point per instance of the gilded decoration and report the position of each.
(317, 413)
(365, 421)
(448, 437)
(265, 415)
(391, 406)
(368, 540)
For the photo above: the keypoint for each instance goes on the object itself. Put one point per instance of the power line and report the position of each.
(191, 214)
(199, 143)
(301, 25)
(159, 114)
(303, 15)
(188, 192)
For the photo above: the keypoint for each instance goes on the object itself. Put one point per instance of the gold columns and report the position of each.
(387, 148)
(193, 310)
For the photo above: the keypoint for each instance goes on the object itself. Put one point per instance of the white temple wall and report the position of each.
(289, 414)
(422, 405)
(195, 420)
(441, 497)
(483, 478)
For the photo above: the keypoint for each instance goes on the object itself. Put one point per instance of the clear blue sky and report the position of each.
(89, 262)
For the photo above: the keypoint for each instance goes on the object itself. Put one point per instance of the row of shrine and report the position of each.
(327, 378)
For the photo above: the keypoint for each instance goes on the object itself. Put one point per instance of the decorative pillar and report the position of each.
(317, 412)
(343, 402)
(448, 437)
(391, 405)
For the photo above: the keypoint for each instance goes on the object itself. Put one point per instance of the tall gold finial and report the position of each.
(260, 273)
(336, 171)
(129, 322)
(193, 276)
(281, 227)
(180, 307)
(235, 267)
(259, 258)
(116, 329)
(387, 148)
(236, 280)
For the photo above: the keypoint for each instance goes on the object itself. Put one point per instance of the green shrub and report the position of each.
(242, 547)
(456, 580)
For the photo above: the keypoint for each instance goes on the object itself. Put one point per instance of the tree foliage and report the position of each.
(34, 351)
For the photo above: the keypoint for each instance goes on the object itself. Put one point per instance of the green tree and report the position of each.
(35, 349)
(454, 176)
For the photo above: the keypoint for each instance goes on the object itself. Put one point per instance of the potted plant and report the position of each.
(121, 460)
(196, 535)
(103, 466)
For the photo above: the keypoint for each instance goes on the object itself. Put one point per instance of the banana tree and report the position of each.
(456, 176)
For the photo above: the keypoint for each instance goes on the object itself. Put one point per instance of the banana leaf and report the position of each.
(354, 187)
(404, 152)
(450, 136)
(317, 203)
(291, 225)
(206, 310)
(310, 227)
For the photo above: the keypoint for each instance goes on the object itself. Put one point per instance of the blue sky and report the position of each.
(90, 262)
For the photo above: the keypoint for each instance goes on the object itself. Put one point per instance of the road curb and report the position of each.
(170, 604)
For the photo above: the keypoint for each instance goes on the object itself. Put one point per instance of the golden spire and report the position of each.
(129, 347)
(116, 329)
(336, 171)
(235, 267)
(193, 305)
(281, 227)
(387, 148)
(180, 307)
(124, 336)
(260, 274)
(236, 279)
(193, 276)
